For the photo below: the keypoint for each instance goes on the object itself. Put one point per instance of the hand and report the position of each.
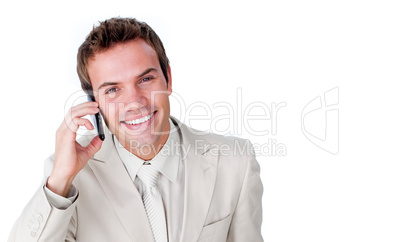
(70, 156)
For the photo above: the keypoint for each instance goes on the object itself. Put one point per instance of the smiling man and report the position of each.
(152, 178)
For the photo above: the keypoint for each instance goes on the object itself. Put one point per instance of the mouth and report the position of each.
(139, 120)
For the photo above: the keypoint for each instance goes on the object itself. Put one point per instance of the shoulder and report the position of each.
(226, 145)
(191, 132)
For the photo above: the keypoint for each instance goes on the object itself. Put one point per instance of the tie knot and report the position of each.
(148, 175)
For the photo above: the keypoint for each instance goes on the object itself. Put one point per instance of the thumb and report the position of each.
(94, 146)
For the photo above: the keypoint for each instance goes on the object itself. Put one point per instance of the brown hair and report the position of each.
(111, 32)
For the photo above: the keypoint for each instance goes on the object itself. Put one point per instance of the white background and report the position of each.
(275, 51)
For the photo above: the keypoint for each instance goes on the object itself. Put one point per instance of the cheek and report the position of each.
(162, 104)
(158, 94)
(161, 99)
(110, 111)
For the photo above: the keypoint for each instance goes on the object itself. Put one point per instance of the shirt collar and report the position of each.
(166, 161)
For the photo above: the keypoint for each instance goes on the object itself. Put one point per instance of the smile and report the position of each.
(140, 120)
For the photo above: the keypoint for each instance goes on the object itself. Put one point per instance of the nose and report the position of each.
(135, 100)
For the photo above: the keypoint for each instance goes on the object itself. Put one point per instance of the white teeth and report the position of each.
(140, 120)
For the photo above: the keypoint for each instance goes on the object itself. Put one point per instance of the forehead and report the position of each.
(122, 60)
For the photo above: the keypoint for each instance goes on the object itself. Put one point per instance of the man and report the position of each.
(153, 178)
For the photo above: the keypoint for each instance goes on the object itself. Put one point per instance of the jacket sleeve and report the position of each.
(41, 221)
(247, 217)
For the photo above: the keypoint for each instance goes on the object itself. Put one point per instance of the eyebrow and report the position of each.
(146, 72)
(105, 84)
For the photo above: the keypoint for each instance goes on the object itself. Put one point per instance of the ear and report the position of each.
(169, 81)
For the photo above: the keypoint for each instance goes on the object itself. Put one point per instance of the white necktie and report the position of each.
(153, 202)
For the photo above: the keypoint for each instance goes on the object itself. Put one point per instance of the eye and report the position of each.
(145, 79)
(111, 90)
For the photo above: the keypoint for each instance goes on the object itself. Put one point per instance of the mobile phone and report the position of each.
(97, 120)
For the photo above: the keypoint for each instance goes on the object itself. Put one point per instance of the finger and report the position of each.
(86, 104)
(93, 147)
(82, 110)
(77, 122)
(83, 106)
(79, 114)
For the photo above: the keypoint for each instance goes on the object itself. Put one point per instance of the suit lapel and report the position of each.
(120, 191)
(200, 161)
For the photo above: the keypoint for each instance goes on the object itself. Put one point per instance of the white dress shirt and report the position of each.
(170, 181)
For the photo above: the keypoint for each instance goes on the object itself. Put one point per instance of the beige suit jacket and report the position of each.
(223, 192)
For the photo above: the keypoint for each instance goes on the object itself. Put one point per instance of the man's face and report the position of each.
(133, 95)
